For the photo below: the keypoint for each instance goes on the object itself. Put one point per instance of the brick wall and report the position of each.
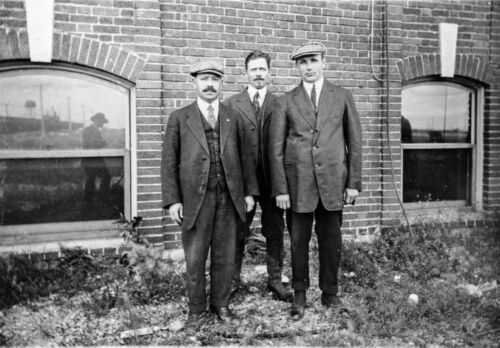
(492, 117)
(169, 35)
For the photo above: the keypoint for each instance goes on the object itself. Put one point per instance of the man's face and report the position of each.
(208, 86)
(258, 73)
(310, 67)
(99, 123)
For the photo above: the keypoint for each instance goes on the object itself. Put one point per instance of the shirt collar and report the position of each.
(262, 93)
(319, 85)
(203, 105)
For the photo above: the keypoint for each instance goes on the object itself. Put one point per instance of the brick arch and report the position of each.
(466, 65)
(76, 49)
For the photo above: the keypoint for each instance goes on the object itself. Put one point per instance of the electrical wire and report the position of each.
(379, 79)
(387, 104)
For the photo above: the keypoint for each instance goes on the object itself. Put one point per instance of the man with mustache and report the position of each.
(257, 105)
(208, 182)
(315, 158)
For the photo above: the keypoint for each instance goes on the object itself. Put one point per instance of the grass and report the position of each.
(79, 300)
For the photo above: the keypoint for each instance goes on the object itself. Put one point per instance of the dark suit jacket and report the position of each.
(186, 161)
(242, 103)
(313, 157)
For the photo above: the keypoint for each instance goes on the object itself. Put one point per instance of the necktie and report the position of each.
(313, 97)
(256, 104)
(211, 116)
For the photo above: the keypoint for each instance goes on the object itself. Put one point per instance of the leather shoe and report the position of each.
(299, 304)
(194, 319)
(224, 314)
(281, 291)
(330, 301)
(235, 287)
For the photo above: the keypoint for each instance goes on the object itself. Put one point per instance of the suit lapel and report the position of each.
(304, 104)
(225, 124)
(195, 123)
(326, 99)
(267, 108)
(244, 105)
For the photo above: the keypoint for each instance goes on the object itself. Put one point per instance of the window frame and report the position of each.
(59, 231)
(476, 145)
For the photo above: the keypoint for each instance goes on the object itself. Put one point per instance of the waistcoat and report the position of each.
(216, 172)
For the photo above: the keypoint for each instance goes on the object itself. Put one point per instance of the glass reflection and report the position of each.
(436, 113)
(435, 175)
(49, 109)
(57, 190)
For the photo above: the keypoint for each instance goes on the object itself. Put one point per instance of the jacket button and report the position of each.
(203, 158)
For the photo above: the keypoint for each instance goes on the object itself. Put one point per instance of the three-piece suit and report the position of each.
(257, 125)
(210, 171)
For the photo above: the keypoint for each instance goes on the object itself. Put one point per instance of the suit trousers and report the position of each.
(214, 230)
(329, 236)
(273, 226)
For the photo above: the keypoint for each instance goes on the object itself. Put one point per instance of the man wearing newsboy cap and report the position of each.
(315, 160)
(208, 182)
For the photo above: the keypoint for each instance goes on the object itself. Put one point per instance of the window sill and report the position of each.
(441, 212)
(57, 232)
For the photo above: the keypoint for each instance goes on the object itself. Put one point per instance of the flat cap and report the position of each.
(99, 117)
(207, 66)
(308, 49)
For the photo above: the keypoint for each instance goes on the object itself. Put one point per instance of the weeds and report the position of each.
(376, 279)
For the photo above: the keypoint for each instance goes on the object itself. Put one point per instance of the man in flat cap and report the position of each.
(315, 159)
(257, 105)
(208, 181)
(95, 167)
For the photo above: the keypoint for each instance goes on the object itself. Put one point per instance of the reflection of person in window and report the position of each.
(406, 132)
(95, 167)
(409, 162)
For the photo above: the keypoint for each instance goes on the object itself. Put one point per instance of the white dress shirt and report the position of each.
(203, 106)
(262, 93)
(318, 86)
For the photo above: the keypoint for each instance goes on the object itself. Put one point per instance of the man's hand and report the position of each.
(350, 196)
(283, 201)
(249, 203)
(176, 212)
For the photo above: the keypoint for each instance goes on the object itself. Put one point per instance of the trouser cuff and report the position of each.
(329, 289)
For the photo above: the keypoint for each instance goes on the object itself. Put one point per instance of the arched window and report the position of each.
(440, 125)
(64, 140)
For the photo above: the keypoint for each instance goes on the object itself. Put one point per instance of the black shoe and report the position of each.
(299, 304)
(224, 314)
(235, 287)
(330, 301)
(194, 319)
(281, 291)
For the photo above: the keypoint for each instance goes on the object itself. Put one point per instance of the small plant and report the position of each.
(129, 231)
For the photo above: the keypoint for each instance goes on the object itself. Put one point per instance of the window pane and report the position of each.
(60, 190)
(436, 175)
(49, 110)
(436, 113)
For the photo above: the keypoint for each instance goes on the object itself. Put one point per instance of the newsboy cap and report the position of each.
(207, 66)
(99, 117)
(308, 49)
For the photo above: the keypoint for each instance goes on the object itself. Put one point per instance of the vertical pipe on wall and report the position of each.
(387, 104)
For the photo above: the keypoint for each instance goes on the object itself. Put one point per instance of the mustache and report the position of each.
(210, 89)
(258, 79)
